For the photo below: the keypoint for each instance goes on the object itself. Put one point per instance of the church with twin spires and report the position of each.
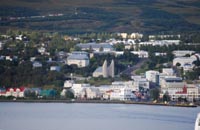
(105, 71)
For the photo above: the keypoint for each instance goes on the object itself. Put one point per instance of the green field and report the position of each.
(80, 16)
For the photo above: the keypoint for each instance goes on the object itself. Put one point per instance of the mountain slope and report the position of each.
(106, 15)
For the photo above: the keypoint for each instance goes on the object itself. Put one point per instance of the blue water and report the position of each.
(62, 116)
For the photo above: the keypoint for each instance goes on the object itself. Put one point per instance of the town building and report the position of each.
(68, 84)
(55, 68)
(96, 47)
(168, 71)
(141, 54)
(105, 70)
(182, 53)
(186, 62)
(37, 64)
(15, 92)
(189, 92)
(80, 59)
(140, 82)
(171, 81)
(90, 93)
(42, 50)
(152, 76)
(124, 93)
(161, 42)
(77, 88)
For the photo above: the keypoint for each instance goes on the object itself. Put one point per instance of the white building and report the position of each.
(19, 37)
(152, 76)
(80, 59)
(42, 50)
(90, 93)
(161, 42)
(68, 84)
(15, 92)
(55, 68)
(136, 35)
(185, 62)
(77, 88)
(96, 47)
(141, 54)
(140, 82)
(171, 81)
(168, 71)
(122, 94)
(123, 35)
(1, 45)
(189, 92)
(182, 53)
(37, 64)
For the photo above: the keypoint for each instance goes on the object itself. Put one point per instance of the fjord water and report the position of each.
(63, 116)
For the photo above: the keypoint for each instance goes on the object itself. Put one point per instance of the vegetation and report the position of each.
(102, 16)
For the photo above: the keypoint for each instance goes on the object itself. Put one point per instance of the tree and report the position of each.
(101, 49)
(69, 94)
(178, 64)
(155, 93)
(166, 97)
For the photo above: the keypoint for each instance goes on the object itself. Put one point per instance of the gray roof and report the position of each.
(99, 70)
(78, 57)
(177, 79)
(95, 45)
(79, 53)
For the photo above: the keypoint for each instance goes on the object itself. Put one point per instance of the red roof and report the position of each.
(15, 89)
(183, 92)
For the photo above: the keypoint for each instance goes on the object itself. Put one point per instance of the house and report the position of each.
(161, 42)
(19, 37)
(68, 84)
(160, 54)
(152, 76)
(141, 54)
(105, 70)
(123, 35)
(80, 59)
(42, 50)
(96, 47)
(61, 55)
(140, 82)
(15, 92)
(55, 68)
(37, 64)
(182, 53)
(90, 93)
(124, 93)
(136, 35)
(77, 88)
(168, 71)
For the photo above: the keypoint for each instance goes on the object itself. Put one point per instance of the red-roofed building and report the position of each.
(188, 91)
(16, 92)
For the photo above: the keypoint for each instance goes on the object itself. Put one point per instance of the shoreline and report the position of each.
(96, 102)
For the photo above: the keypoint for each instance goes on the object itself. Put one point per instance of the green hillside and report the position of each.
(80, 16)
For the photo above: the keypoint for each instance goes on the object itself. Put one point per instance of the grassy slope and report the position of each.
(106, 15)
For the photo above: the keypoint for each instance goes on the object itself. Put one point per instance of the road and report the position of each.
(131, 70)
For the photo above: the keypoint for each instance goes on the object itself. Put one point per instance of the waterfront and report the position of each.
(63, 116)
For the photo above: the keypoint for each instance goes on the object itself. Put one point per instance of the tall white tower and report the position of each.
(112, 69)
(105, 69)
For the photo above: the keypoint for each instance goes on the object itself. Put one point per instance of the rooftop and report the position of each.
(78, 57)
